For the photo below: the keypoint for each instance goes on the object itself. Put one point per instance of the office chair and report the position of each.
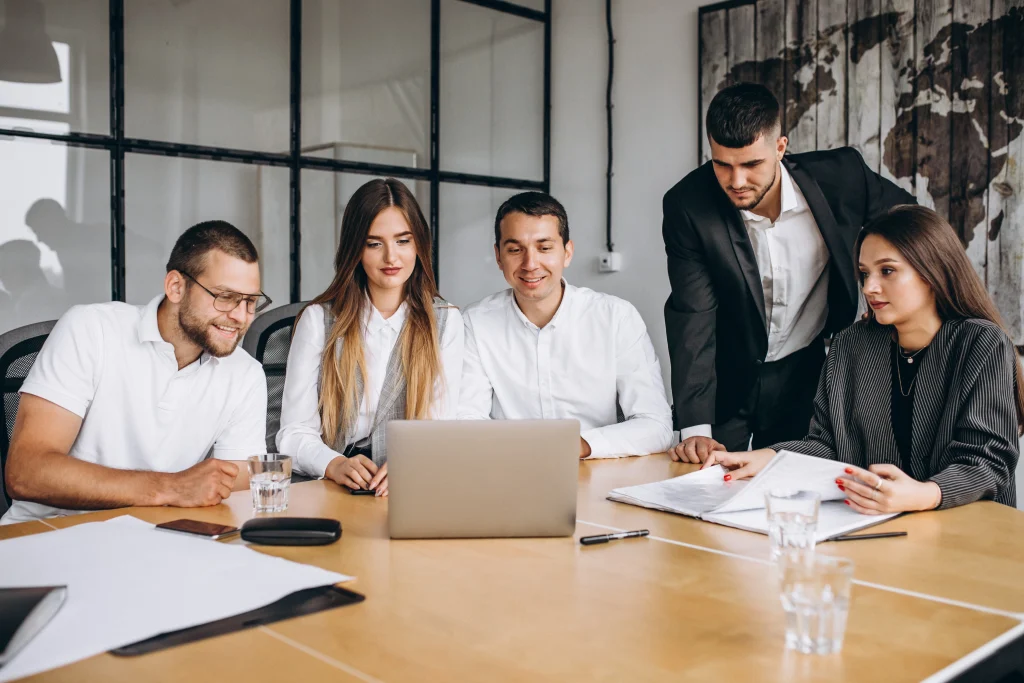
(268, 340)
(18, 350)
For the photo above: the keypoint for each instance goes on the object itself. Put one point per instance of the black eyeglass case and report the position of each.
(291, 531)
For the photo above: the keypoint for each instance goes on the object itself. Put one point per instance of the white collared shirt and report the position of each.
(300, 415)
(592, 358)
(792, 259)
(108, 364)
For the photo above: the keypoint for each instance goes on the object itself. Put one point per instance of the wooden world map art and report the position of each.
(931, 92)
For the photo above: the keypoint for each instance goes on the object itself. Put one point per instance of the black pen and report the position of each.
(857, 537)
(604, 538)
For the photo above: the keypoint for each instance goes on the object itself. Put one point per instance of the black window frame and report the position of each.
(118, 145)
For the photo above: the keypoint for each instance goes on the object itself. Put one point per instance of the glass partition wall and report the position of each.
(123, 122)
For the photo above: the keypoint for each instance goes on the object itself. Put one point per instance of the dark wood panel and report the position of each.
(832, 54)
(801, 75)
(970, 56)
(934, 85)
(897, 73)
(771, 47)
(1005, 268)
(714, 66)
(742, 47)
(865, 92)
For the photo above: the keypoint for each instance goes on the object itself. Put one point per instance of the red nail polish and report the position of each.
(847, 502)
(728, 477)
(848, 470)
(839, 481)
(842, 488)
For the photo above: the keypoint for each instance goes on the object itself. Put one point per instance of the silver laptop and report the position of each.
(482, 478)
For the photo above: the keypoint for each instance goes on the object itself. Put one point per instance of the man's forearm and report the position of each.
(62, 481)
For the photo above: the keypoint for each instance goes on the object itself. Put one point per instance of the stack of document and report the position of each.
(706, 495)
(127, 581)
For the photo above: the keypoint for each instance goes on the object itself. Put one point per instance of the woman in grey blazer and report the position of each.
(925, 398)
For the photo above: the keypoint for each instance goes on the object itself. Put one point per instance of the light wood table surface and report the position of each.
(552, 610)
(972, 554)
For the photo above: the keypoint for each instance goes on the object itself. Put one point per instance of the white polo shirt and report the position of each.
(108, 364)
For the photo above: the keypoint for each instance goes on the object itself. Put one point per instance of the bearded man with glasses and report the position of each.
(147, 405)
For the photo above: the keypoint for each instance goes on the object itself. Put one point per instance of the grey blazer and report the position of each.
(964, 427)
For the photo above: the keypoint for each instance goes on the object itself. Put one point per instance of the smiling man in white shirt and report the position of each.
(544, 349)
(123, 402)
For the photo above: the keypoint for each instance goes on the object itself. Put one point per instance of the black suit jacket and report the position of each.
(715, 317)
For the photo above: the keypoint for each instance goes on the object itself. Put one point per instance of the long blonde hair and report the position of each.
(346, 298)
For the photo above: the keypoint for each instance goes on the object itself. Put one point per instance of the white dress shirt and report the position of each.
(108, 364)
(592, 358)
(792, 259)
(300, 415)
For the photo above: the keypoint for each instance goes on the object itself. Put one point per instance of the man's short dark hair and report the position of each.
(742, 112)
(535, 204)
(189, 252)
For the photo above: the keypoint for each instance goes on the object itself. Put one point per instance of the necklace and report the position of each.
(909, 357)
(899, 375)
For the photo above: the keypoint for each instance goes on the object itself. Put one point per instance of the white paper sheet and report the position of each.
(128, 581)
(690, 494)
(740, 504)
(834, 519)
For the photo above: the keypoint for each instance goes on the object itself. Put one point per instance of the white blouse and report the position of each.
(299, 435)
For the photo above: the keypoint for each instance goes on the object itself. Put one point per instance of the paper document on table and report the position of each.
(706, 494)
(127, 582)
(691, 494)
(834, 519)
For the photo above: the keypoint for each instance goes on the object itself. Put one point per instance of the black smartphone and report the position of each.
(361, 492)
(197, 528)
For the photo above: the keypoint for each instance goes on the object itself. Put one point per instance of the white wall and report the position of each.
(655, 145)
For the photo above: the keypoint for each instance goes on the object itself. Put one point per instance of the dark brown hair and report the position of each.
(534, 204)
(346, 297)
(931, 247)
(189, 252)
(742, 112)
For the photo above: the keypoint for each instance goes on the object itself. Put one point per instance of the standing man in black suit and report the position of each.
(760, 261)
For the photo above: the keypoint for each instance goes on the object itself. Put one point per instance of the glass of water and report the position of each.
(815, 593)
(792, 519)
(269, 477)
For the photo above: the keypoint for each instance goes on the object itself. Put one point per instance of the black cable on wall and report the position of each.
(608, 107)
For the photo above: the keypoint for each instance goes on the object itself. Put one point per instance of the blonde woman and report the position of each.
(378, 344)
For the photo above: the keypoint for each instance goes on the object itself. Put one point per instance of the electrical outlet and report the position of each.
(609, 262)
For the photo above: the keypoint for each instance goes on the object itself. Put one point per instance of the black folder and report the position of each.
(295, 605)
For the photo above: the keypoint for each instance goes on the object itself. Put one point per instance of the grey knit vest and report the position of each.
(391, 405)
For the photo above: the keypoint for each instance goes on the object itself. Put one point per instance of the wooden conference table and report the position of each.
(693, 602)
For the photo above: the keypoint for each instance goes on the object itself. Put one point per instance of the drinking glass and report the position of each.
(815, 594)
(792, 519)
(269, 477)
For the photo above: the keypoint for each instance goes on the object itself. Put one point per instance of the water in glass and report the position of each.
(792, 520)
(815, 594)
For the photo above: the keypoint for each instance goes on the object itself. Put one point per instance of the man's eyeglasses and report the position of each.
(225, 302)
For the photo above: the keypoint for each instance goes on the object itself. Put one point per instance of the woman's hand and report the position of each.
(356, 472)
(379, 483)
(742, 465)
(881, 489)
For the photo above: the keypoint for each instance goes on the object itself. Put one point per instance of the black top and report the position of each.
(904, 381)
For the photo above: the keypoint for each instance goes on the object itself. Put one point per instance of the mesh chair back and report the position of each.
(268, 341)
(18, 350)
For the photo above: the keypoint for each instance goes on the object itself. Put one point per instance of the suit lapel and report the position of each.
(842, 256)
(744, 251)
